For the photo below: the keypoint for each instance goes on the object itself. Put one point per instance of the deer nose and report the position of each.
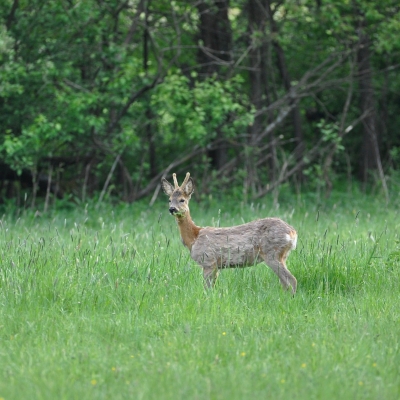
(172, 210)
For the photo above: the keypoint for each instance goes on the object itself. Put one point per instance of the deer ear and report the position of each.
(189, 187)
(167, 187)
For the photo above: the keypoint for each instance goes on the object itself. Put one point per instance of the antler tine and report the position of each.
(175, 181)
(186, 180)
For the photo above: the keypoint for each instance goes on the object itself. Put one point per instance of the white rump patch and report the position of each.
(293, 240)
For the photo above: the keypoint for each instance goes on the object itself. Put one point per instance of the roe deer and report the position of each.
(268, 239)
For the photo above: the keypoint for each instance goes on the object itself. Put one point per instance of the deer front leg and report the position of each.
(210, 275)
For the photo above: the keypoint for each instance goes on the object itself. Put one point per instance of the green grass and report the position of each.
(100, 304)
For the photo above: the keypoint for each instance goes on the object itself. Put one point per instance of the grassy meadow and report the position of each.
(107, 304)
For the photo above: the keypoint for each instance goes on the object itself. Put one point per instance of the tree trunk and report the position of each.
(258, 74)
(214, 52)
(282, 66)
(370, 154)
(149, 115)
(369, 148)
(215, 35)
(257, 59)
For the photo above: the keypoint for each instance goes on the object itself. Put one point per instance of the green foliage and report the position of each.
(35, 142)
(330, 133)
(210, 106)
(83, 82)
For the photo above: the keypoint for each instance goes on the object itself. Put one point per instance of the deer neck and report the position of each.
(189, 230)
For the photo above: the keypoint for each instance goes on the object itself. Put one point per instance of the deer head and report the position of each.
(179, 196)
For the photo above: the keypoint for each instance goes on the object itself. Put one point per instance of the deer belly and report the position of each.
(231, 258)
(226, 257)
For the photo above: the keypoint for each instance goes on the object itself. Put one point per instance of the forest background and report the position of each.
(102, 98)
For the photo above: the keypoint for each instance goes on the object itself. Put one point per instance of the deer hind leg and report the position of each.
(210, 275)
(277, 263)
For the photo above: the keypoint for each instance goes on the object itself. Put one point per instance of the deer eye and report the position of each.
(181, 201)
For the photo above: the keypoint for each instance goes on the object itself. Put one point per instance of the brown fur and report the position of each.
(268, 239)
